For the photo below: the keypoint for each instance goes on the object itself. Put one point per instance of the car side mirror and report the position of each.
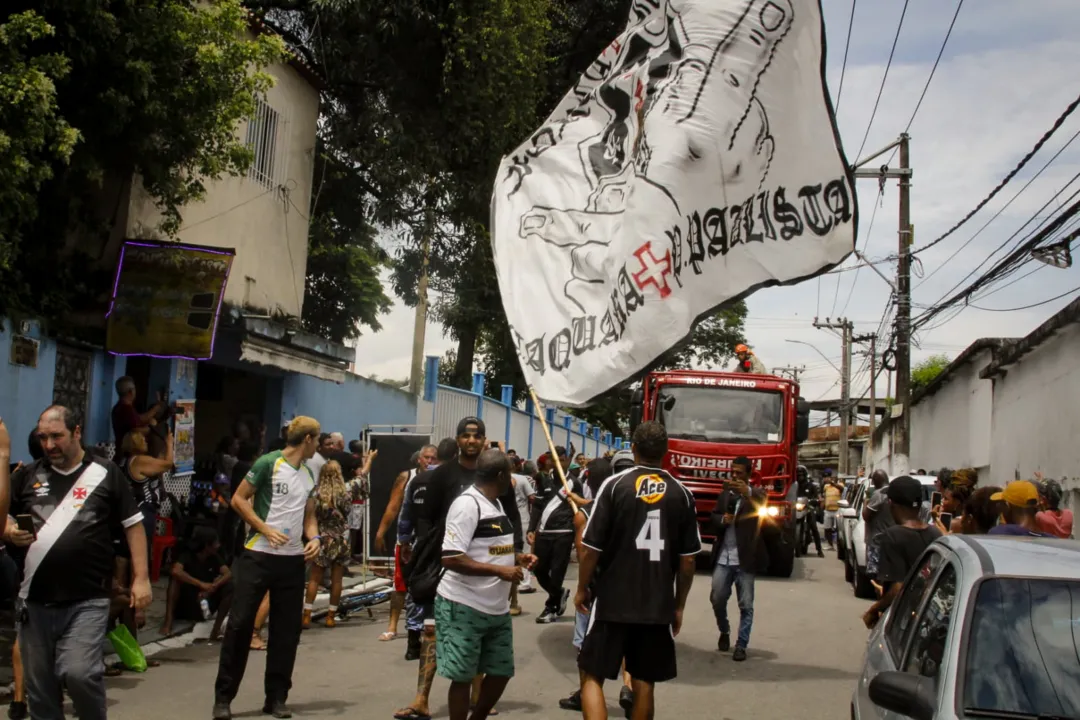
(904, 693)
(802, 421)
(843, 503)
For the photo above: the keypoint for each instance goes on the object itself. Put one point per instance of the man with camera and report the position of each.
(734, 554)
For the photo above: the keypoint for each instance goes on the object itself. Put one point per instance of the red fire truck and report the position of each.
(714, 417)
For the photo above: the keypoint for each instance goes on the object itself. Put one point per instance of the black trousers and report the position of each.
(552, 552)
(255, 573)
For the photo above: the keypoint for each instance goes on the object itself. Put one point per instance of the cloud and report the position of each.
(998, 88)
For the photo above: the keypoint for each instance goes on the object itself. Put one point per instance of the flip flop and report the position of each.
(257, 643)
(387, 636)
(410, 714)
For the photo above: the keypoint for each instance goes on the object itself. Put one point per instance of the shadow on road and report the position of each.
(706, 667)
(322, 707)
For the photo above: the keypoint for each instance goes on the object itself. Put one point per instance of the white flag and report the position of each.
(696, 160)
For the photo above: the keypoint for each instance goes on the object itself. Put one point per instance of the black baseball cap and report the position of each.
(463, 426)
(906, 491)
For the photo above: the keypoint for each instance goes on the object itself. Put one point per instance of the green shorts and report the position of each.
(470, 643)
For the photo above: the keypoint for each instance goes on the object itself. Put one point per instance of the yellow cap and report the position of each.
(1020, 493)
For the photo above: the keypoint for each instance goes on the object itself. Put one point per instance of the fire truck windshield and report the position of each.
(721, 414)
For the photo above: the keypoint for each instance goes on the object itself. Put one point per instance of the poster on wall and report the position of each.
(184, 437)
(166, 299)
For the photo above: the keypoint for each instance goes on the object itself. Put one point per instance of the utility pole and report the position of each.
(902, 291)
(872, 339)
(845, 327)
(903, 315)
(420, 322)
(790, 371)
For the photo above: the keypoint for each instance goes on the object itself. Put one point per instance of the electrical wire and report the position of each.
(1005, 207)
(881, 89)
(854, 280)
(1005, 181)
(941, 52)
(843, 67)
(1009, 239)
(1027, 307)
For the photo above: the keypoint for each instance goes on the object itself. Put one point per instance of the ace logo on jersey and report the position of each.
(650, 488)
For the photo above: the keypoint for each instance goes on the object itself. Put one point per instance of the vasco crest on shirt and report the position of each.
(650, 488)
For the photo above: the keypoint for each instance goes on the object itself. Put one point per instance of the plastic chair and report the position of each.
(164, 539)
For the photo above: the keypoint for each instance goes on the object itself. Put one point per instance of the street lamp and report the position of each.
(800, 342)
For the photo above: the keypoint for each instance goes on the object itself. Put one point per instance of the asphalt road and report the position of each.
(805, 654)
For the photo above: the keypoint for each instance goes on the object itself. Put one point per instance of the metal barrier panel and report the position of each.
(494, 416)
(451, 405)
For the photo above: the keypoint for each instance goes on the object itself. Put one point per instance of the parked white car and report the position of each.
(853, 490)
(855, 551)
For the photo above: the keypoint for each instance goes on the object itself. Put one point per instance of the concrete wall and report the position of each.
(951, 428)
(346, 408)
(1036, 413)
(267, 226)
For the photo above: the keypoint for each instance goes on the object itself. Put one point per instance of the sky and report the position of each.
(1001, 83)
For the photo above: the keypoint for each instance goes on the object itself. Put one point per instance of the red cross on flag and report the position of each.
(695, 161)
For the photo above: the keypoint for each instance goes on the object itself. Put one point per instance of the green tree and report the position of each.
(926, 372)
(155, 91)
(33, 135)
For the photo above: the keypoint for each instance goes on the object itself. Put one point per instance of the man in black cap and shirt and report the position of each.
(900, 545)
(643, 537)
(551, 534)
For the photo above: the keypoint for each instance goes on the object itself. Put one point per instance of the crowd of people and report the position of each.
(477, 526)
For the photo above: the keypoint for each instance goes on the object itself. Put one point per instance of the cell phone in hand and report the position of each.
(935, 499)
(946, 520)
(494, 444)
(26, 524)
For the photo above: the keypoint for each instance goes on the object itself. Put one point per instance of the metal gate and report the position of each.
(71, 382)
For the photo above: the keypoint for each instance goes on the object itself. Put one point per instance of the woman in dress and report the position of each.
(333, 501)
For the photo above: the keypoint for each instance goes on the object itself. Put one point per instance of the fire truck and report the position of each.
(714, 417)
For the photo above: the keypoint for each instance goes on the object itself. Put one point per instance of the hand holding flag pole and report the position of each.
(551, 447)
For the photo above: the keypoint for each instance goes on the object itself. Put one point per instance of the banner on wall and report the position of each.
(166, 299)
(184, 437)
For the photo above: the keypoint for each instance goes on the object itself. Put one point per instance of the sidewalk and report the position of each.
(184, 632)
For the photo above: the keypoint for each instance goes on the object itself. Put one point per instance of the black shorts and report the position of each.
(649, 651)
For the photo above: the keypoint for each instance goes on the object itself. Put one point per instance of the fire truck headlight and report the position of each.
(772, 511)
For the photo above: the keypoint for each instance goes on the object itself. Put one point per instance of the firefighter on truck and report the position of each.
(748, 361)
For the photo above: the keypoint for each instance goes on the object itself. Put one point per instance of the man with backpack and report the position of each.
(424, 572)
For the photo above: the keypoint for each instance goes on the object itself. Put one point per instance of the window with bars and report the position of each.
(265, 135)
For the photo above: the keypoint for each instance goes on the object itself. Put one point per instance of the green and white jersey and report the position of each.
(281, 495)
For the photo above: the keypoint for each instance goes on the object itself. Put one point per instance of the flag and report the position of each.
(695, 161)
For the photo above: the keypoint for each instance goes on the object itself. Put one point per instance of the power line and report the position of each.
(866, 242)
(1006, 205)
(1028, 307)
(884, 77)
(1005, 181)
(934, 69)
(847, 46)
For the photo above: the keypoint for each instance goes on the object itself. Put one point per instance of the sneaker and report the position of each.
(18, 711)
(562, 603)
(277, 708)
(572, 703)
(222, 711)
(820, 554)
(725, 642)
(526, 589)
(739, 655)
(626, 699)
(546, 617)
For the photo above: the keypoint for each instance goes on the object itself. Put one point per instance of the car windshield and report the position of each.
(1022, 656)
(721, 414)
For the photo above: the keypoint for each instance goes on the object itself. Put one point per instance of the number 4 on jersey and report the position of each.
(649, 538)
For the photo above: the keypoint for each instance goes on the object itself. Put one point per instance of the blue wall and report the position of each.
(24, 391)
(348, 407)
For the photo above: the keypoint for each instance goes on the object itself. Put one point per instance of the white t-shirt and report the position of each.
(315, 465)
(523, 490)
(478, 528)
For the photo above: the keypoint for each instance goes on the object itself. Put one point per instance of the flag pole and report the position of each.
(551, 446)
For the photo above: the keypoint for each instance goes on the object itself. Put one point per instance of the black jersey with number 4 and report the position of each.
(642, 523)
